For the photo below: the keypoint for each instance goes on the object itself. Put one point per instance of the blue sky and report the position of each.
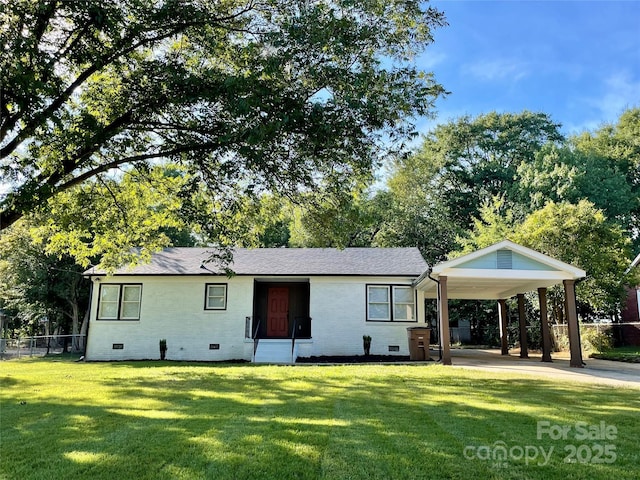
(578, 61)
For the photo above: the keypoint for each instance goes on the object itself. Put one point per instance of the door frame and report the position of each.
(299, 294)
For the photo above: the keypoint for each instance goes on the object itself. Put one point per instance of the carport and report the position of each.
(499, 272)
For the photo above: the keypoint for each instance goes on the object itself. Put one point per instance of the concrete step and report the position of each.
(275, 351)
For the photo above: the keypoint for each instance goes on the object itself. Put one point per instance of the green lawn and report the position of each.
(620, 354)
(162, 420)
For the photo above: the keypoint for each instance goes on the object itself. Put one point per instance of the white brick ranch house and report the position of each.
(285, 303)
(280, 304)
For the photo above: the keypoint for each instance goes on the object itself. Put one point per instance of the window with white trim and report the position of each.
(389, 303)
(119, 301)
(403, 304)
(379, 303)
(215, 296)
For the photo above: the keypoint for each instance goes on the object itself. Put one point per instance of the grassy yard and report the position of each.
(620, 354)
(162, 420)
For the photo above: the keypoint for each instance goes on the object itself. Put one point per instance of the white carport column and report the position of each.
(443, 310)
(504, 319)
(571, 313)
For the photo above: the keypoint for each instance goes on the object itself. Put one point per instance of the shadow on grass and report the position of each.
(172, 420)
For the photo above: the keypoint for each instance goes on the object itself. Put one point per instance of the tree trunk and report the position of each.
(83, 330)
(75, 345)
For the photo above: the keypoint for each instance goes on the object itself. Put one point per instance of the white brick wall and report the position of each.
(173, 308)
(338, 309)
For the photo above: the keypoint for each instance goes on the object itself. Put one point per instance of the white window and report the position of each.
(379, 303)
(387, 303)
(130, 306)
(215, 296)
(109, 298)
(403, 304)
(119, 302)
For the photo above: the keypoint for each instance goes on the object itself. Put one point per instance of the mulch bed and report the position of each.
(354, 359)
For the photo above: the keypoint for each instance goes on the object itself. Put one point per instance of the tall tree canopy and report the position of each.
(569, 174)
(339, 219)
(468, 161)
(258, 93)
(461, 165)
(619, 144)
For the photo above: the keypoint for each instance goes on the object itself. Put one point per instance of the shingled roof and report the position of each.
(285, 261)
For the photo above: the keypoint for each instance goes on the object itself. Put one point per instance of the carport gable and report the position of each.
(496, 272)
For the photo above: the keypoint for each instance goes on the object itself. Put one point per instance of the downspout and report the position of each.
(429, 271)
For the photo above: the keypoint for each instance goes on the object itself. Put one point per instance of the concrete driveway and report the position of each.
(600, 372)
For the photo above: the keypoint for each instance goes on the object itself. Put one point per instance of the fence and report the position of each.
(41, 345)
(622, 333)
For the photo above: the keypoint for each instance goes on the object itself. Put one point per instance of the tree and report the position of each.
(262, 94)
(42, 260)
(253, 221)
(469, 161)
(619, 144)
(35, 286)
(272, 223)
(347, 218)
(579, 234)
(425, 224)
(495, 223)
(562, 174)
(105, 219)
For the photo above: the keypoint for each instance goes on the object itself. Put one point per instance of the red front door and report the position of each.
(278, 312)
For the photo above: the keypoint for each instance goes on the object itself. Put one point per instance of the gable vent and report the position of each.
(505, 260)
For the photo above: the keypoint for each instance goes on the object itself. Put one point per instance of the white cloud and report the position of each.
(621, 91)
(572, 128)
(430, 59)
(499, 69)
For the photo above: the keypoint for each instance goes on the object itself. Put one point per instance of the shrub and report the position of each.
(596, 341)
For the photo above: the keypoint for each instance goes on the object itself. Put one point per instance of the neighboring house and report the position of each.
(280, 304)
(631, 311)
